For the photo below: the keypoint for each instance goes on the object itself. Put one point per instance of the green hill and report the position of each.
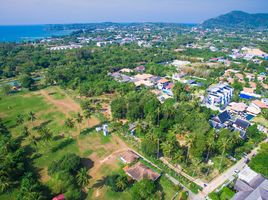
(238, 19)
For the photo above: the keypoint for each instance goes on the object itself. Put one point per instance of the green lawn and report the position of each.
(168, 188)
(260, 119)
(225, 194)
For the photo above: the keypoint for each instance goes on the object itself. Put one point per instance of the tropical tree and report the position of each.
(19, 119)
(88, 114)
(4, 181)
(69, 123)
(224, 145)
(6, 89)
(189, 143)
(82, 177)
(25, 131)
(79, 120)
(45, 134)
(121, 183)
(31, 116)
(210, 144)
(33, 140)
(30, 188)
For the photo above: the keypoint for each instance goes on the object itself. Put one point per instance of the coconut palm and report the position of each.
(224, 144)
(189, 143)
(121, 183)
(33, 140)
(19, 119)
(178, 157)
(45, 134)
(69, 123)
(82, 177)
(79, 120)
(31, 116)
(210, 144)
(88, 114)
(25, 131)
(167, 148)
(4, 181)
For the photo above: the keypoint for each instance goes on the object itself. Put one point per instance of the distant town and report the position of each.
(136, 111)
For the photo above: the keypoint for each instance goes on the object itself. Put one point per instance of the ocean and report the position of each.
(28, 33)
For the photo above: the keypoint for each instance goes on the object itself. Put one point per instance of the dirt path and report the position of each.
(65, 105)
(116, 146)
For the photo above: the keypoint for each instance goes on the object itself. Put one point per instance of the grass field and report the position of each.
(99, 153)
(260, 120)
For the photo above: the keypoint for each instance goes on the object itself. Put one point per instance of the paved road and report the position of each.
(227, 175)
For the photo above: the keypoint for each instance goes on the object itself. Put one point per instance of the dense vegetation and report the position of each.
(238, 19)
(182, 118)
(259, 162)
(16, 169)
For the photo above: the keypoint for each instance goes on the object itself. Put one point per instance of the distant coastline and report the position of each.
(21, 33)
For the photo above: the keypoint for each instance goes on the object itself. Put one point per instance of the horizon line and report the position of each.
(103, 22)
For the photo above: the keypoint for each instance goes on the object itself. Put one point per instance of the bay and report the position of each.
(29, 33)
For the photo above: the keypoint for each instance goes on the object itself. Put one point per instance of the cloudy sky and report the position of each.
(76, 11)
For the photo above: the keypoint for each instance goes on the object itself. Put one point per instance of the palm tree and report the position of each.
(178, 157)
(82, 177)
(79, 119)
(25, 131)
(189, 143)
(167, 148)
(33, 140)
(209, 144)
(46, 134)
(19, 119)
(224, 143)
(69, 123)
(87, 114)
(31, 116)
(4, 182)
(121, 183)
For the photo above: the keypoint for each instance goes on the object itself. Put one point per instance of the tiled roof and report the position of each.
(129, 156)
(140, 171)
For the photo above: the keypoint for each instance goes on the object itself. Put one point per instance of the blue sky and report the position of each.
(76, 11)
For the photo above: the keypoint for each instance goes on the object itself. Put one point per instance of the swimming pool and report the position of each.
(249, 117)
(244, 96)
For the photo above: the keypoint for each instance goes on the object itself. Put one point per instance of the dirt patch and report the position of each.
(44, 175)
(65, 105)
(105, 162)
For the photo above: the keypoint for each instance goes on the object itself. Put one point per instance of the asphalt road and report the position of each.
(227, 175)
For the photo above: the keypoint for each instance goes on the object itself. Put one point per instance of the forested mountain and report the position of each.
(238, 19)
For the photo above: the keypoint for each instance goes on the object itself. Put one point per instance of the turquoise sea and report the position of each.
(28, 33)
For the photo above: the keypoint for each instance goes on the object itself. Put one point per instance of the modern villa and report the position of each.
(218, 96)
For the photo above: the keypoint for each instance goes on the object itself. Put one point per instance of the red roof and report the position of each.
(140, 68)
(170, 86)
(59, 197)
(163, 80)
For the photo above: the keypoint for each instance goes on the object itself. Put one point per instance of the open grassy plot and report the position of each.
(261, 121)
(99, 153)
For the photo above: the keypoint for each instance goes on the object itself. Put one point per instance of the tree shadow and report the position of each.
(100, 183)
(43, 124)
(62, 144)
(88, 130)
(88, 163)
(58, 137)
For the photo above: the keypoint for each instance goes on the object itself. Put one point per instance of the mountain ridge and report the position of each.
(238, 19)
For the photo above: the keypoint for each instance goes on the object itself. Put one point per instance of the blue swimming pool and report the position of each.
(249, 117)
(244, 96)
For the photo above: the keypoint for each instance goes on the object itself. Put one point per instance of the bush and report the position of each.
(118, 183)
(69, 163)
